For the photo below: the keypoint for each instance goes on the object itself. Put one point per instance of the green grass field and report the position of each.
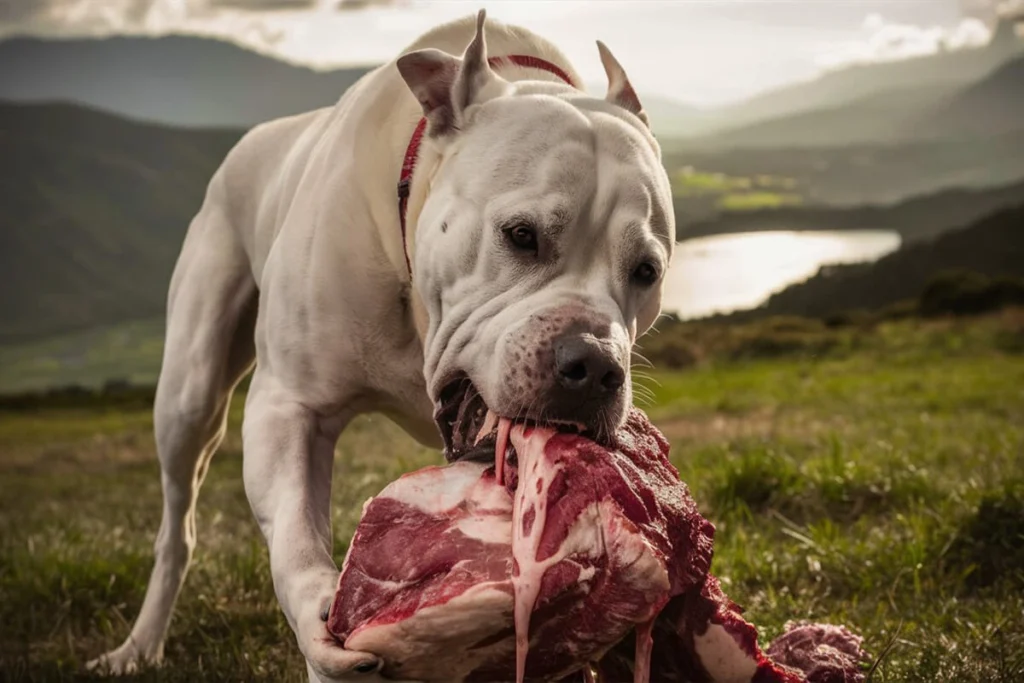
(877, 482)
(736, 193)
(128, 351)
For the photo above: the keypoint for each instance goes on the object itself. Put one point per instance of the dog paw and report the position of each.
(123, 661)
(332, 663)
(326, 658)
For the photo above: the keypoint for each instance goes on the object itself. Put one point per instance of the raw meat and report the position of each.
(701, 637)
(455, 575)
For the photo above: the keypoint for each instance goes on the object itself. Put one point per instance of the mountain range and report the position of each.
(176, 80)
(194, 81)
(203, 82)
(930, 110)
(96, 207)
(96, 198)
(991, 106)
(837, 89)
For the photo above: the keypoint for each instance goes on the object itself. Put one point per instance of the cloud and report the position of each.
(235, 18)
(264, 5)
(968, 33)
(99, 17)
(889, 41)
(51, 17)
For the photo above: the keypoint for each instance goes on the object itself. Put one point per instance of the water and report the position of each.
(726, 273)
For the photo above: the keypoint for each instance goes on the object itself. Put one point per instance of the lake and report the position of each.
(724, 273)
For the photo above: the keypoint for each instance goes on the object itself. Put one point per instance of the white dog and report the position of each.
(524, 258)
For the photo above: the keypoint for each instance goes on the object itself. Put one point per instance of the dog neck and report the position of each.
(418, 189)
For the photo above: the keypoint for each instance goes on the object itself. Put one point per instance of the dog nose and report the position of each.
(584, 365)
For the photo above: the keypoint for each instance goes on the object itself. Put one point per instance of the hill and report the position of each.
(205, 82)
(866, 173)
(992, 246)
(178, 80)
(195, 81)
(945, 109)
(993, 105)
(95, 208)
(880, 117)
(918, 218)
(669, 117)
(845, 87)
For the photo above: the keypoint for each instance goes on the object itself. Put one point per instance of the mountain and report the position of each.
(842, 87)
(178, 80)
(94, 212)
(992, 246)
(918, 218)
(193, 81)
(880, 117)
(993, 105)
(943, 109)
(672, 118)
(205, 82)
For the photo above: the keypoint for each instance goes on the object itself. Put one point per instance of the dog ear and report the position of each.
(620, 91)
(446, 85)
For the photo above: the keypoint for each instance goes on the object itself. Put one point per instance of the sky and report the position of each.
(706, 52)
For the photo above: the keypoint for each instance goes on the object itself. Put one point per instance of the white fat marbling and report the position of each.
(487, 528)
(438, 490)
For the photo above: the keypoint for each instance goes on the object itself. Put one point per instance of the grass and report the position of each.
(735, 193)
(128, 351)
(753, 201)
(877, 481)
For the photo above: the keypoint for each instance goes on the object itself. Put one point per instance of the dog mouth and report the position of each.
(461, 415)
(470, 428)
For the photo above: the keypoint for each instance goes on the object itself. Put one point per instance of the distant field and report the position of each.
(699, 192)
(128, 351)
(878, 483)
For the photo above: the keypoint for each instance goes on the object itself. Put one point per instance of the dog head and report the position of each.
(541, 247)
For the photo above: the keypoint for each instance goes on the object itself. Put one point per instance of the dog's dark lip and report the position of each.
(482, 452)
(460, 414)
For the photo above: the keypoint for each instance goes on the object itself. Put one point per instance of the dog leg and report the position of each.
(209, 348)
(287, 463)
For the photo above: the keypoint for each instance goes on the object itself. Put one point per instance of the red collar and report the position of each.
(411, 152)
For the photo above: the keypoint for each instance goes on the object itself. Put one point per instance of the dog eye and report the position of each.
(522, 236)
(645, 274)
